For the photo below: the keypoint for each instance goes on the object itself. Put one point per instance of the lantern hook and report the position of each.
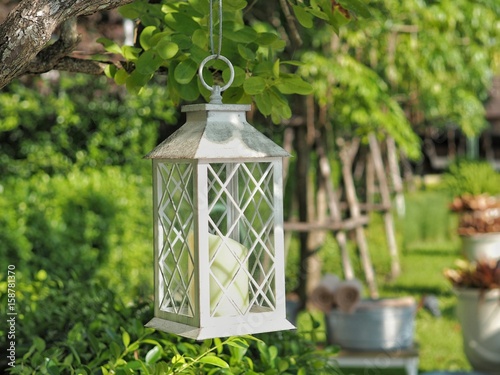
(216, 89)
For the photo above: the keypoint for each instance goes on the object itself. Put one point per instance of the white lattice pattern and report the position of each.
(176, 264)
(241, 209)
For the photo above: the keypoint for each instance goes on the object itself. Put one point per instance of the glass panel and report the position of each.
(241, 241)
(175, 216)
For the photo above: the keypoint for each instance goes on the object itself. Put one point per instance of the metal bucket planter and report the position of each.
(478, 312)
(385, 324)
(481, 246)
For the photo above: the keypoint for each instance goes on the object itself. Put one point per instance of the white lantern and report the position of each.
(218, 227)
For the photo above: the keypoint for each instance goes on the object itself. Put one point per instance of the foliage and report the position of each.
(175, 38)
(358, 100)
(77, 121)
(472, 177)
(82, 327)
(86, 224)
(432, 59)
(483, 274)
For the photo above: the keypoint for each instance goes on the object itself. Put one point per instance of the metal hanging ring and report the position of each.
(216, 57)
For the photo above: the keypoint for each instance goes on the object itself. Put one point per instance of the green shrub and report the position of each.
(75, 327)
(472, 177)
(88, 224)
(77, 121)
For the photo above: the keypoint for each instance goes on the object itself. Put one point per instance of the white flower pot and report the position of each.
(481, 246)
(479, 315)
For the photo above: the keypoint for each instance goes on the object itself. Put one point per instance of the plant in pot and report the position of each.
(475, 186)
(477, 286)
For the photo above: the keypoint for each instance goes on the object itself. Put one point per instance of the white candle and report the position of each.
(225, 256)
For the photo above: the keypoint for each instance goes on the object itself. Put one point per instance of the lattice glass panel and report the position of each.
(241, 225)
(175, 258)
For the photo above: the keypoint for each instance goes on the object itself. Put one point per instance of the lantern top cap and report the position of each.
(216, 107)
(216, 131)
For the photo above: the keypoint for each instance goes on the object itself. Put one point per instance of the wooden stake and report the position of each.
(347, 155)
(395, 172)
(333, 206)
(386, 200)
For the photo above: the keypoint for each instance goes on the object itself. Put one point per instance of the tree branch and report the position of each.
(295, 36)
(26, 32)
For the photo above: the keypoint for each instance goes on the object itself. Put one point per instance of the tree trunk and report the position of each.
(302, 168)
(26, 32)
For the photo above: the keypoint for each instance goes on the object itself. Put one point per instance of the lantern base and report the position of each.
(202, 333)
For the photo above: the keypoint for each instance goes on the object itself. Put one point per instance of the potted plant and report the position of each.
(477, 286)
(475, 186)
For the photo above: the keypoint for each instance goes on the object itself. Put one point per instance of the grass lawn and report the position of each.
(428, 244)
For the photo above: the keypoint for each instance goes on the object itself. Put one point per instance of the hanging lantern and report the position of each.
(218, 225)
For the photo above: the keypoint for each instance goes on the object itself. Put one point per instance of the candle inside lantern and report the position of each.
(229, 281)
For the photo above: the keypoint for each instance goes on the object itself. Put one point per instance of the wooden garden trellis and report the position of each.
(308, 139)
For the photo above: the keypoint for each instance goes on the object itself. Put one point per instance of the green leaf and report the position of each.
(234, 95)
(200, 38)
(237, 342)
(359, 7)
(115, 350)
(294, 85)
(129, 11)
(185, 71)
(148, 62)
(254, 85)
(190, 91)
(146, 36)
(131, 53)
(304, 18)
(276, 68)
(263, 102)
(266, 39)
(133, 365)
(110, 46)
(183, 41)
(239, 76)
(125, 338)
(318, 13)
(166, 49)
(264, 69)
(181, 23)
(218, 345)
(110, 70)
(121, 76)
(197, 54)
(235, 5)
(154, 355)
(214, 361)
(243, 35)
(246, 53)
(136, 81)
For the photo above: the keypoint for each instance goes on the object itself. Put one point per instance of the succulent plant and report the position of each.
(478, 213)
(483, 274)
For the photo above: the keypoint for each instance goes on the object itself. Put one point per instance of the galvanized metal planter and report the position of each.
(385, 324)
(218, 227)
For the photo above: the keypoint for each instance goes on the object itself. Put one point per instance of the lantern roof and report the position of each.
(216, 131)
